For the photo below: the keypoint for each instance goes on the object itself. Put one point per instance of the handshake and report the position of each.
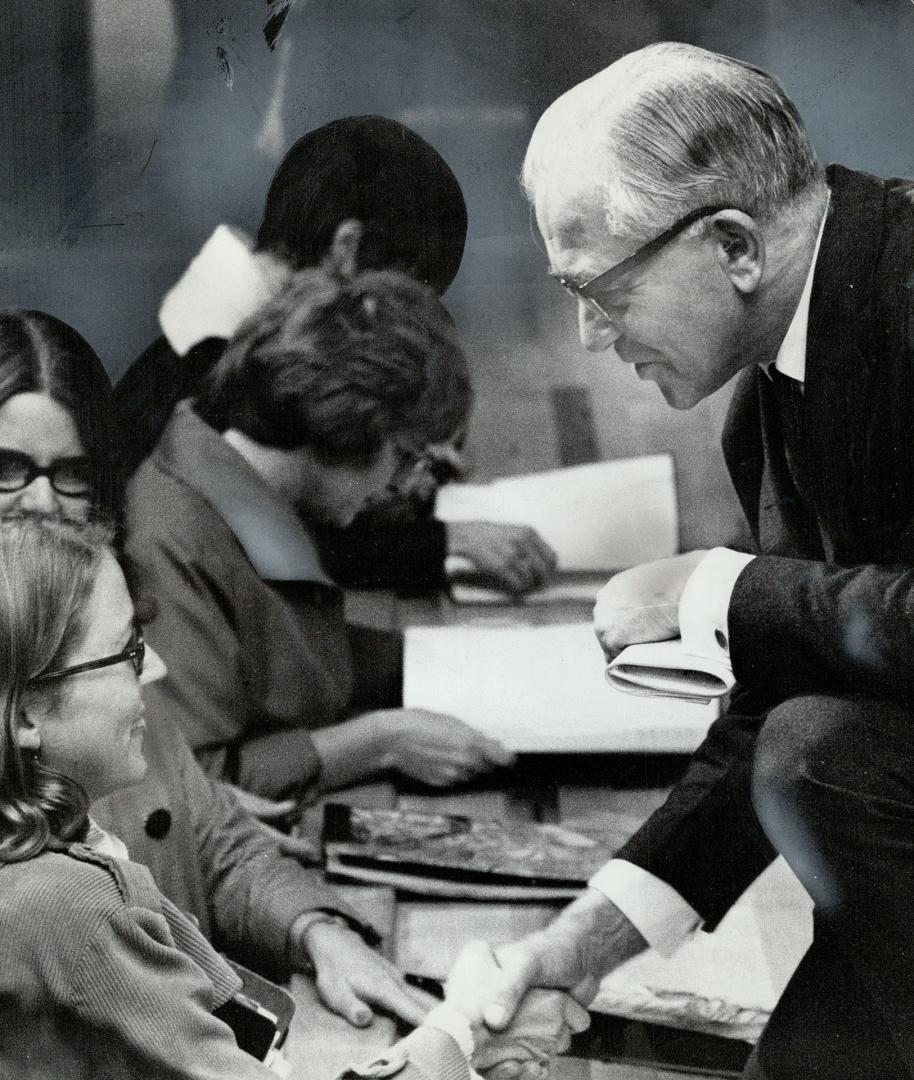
(517, 1032)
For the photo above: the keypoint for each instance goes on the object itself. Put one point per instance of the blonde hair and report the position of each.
(47, 570)
(671, 128)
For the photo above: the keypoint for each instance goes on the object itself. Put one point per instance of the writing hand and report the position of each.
(642, 604)
(514, 556)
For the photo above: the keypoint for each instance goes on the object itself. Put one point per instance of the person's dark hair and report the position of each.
(43, 355)
(47, 571)
(341, 366)
(374, 170)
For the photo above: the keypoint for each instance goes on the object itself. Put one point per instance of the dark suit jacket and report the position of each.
(827, 485)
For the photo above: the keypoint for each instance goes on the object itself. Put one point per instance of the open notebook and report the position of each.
(542, 689)
(598, 518)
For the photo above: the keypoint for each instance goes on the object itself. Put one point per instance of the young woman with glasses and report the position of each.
(102, 975)
(55, 420)
(312, 413)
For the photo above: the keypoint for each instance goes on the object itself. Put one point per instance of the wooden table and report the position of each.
(424, 936)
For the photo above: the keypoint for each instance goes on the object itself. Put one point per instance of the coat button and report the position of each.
(721, 638)
(158, 824)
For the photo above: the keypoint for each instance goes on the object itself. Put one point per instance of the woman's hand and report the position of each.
(352, 980)
(514, 557)
(433, 748)
(542, 1025)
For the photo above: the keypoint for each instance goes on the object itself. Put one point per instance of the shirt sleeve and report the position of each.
(705, 602)
(662, 917)
(255, 892)
(147, 1007)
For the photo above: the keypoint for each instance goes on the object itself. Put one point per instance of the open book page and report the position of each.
(668, 669)
(541, 689)
(598, 517)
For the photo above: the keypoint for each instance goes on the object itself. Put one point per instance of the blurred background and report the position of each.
(129, 130)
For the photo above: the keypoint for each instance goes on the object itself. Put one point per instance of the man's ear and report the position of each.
(740, 248)
(28, 734)
(342, 258)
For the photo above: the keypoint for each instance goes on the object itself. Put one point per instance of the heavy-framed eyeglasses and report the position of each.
(586, 290)
(71, 476)
(135, 652)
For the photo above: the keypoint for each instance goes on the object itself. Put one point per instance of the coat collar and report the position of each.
(264, 524)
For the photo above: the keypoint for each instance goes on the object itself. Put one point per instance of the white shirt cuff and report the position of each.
(705, 602)
(657, 911)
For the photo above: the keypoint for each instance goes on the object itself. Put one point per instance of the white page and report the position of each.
(541, 688)
(604, 516)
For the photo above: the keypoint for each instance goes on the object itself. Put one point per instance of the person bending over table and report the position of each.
(209, 856)
(102, 975)
(370, 192)
(317, 407)
(682, 205)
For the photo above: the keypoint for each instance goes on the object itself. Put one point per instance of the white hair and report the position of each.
(668, 129)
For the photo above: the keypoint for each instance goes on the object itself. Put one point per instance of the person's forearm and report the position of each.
(350, 751)
(590, 937)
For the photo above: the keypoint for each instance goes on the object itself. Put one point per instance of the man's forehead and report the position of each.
(573, 225)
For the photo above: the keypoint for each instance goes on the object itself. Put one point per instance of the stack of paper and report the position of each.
(542, 689)
(597, 518)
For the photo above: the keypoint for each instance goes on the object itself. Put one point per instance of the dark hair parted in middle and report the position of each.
(340, 366)
(41, 354)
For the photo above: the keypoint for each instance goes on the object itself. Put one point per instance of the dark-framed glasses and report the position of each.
(71, 476)
(586, 290)
(135, 652)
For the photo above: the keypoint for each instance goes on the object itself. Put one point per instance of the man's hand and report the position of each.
(435, 749)
(352, 979)
(514, 557)
(642, 604)
(587, 940)
(542, 1027)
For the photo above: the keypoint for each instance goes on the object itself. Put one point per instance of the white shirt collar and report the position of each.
(104, 842)
(791, 357)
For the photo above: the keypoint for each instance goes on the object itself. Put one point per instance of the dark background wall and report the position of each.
(128, 131)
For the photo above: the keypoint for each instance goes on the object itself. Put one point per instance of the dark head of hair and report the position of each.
(47, 571)
(339, 367)
(412, 211)
(43, 355)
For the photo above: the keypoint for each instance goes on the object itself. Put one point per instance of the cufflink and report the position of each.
(379, 1069)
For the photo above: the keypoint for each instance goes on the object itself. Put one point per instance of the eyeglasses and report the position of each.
(135, 653)
(585, 290)
(68, 476)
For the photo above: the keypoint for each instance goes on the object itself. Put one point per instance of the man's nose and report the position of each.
(39, 497)
(597, 332)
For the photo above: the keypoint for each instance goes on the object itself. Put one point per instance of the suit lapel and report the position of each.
(839, 355)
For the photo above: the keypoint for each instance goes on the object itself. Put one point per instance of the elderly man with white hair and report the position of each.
(684, 209)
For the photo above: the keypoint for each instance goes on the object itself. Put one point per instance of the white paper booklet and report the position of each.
(667, 669)
(597, 518)
(542, 689)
